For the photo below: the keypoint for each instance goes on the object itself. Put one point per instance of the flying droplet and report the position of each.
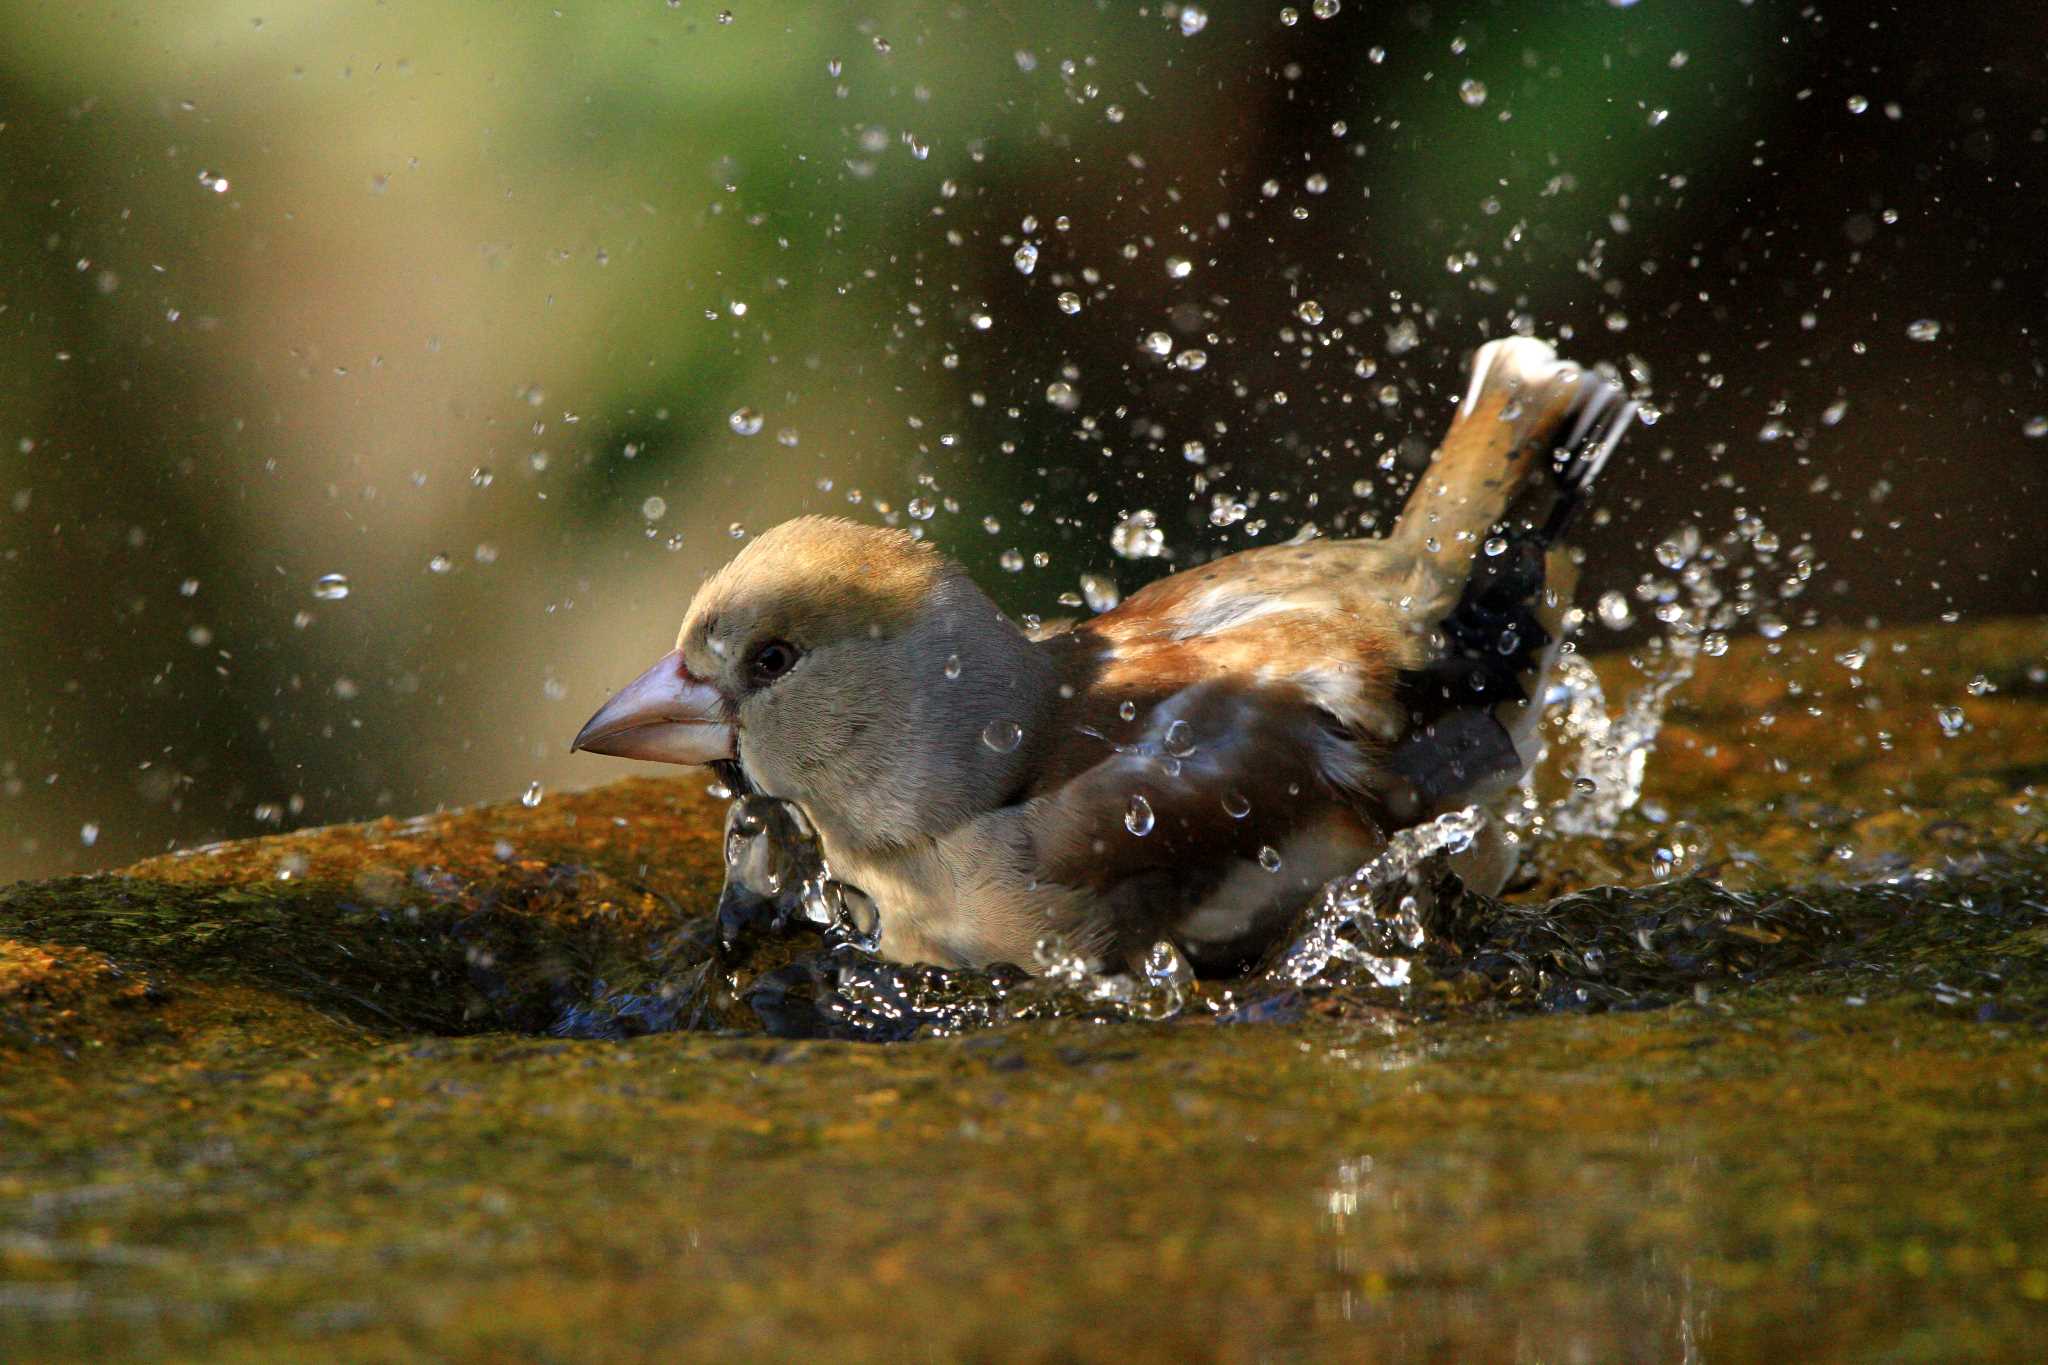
(1069, 302)
(531, 797)
(1138, 536)
(655, 508)
(1099, 592)
(440, 564)
(952, 667)
(1138, 816)
(1326, 9)
(1924, 329)
(745, 421)
(331, 587)
(1472, 92)
(1952, 720)
(1180, 739)
(1310, 312)
(1179, 267)
(1003, 736)
(1191, 359)
(1158, 343)
(1236, 805)
(1026, 259)
(1269, 857)
(1193, 19)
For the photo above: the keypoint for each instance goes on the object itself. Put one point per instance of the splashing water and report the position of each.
(1350, 922)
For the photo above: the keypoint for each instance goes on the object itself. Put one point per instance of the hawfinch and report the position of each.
(1191, 765)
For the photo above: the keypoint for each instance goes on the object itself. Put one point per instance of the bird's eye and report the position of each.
(771, 661)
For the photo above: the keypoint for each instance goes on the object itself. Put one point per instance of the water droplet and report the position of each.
(921, 509)
(1138, 536)
(1179, 267)
(1857, 104)
(1191, 359)
(1026, 259)
(1061, 395)
(2035, 427)
(1289, 16)
(1180, 739)
(1236, 805)
(1069, 302)
(88, 834)
(736, 531)
(1128, 710)
(1138, 816)
(1269, 857)
(745, 421)
(1326, 9)
(655, 508)
(1585, 786)
(1952, 720)
(1193, 19)
(1310, 312)
(1194, 452)
(1158, 343)
(440, 564)
(1924, 329)
(1834, 412)
(217, 183)
(1003, 736)
(1495, 546)
(1614, 611)
(952, 667)
(1099, 592)
(531, 797)
(331, 587)
(1472, 92)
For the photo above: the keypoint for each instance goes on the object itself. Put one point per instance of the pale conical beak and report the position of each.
(666, 715)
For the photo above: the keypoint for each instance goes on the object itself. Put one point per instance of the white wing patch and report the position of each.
(1226, 608)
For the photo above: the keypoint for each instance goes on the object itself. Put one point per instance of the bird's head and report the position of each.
(851, 669)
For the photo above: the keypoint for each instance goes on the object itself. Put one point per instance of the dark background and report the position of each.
(480, 285)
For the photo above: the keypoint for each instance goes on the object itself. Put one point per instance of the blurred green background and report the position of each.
(479, 307)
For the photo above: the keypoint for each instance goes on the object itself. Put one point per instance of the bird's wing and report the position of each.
(1194, 735)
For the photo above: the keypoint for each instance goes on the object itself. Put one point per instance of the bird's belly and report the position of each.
(931, 911)
(1258, 899)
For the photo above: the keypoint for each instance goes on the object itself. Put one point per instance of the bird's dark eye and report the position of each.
(771, 661)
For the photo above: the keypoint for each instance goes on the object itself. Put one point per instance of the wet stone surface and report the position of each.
(1762, 1070)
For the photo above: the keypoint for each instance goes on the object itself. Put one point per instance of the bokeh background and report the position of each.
(479, 307)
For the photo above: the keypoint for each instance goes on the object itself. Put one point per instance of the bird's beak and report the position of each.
(666, 715)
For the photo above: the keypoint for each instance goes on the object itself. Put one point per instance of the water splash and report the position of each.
(1372, 919)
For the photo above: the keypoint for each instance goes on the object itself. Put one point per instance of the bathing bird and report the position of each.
(1190, 765)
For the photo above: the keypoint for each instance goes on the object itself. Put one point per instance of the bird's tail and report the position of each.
(1482, 527)
(1532, 434)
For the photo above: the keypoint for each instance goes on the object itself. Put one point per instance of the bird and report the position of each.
(1190, 766)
